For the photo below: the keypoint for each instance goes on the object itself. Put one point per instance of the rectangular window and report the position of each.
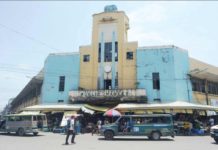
(61, 83)
(116, 81)
(60, 101)
(99, 52)
(157, 100)
(116, 51)
(212, 88)
(156, 81)
(107, 84)
(108, 52)
(129, 55)
(86, 58)
(198, 85)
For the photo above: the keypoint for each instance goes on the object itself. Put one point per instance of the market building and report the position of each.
(112, 70)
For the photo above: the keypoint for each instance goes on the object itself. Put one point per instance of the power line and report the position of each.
(28, 37)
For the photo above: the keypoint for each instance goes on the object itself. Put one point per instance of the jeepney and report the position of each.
(153, 126)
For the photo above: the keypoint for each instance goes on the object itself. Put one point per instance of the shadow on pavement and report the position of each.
(214, 143)
(135, 139)
(14, 134)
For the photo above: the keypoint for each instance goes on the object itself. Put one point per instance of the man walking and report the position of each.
(70, 130)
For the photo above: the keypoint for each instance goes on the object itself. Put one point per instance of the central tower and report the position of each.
(110, 61)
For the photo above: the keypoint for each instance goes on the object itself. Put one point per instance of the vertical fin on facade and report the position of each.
(102, 62)
(113, 60)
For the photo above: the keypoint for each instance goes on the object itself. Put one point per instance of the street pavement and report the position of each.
(51, 141)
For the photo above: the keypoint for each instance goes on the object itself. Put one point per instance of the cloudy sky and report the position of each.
(29, 31)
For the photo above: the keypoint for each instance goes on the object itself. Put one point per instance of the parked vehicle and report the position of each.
(153, 126)
(214, 132)
(23, 123)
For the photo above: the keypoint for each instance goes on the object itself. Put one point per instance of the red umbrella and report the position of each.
(112, 112)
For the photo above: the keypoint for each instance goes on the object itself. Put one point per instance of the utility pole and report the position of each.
(187, 79)
(206, 91)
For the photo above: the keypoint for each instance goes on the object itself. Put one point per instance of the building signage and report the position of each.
(106, 94)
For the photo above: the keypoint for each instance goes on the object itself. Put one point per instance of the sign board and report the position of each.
(85, 95)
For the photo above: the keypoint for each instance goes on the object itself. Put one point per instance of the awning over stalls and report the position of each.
(178, 105)
(52, 108)
(96, 108)
(87, 110)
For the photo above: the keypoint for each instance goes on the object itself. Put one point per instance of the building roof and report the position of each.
(160, 47)
(64, 54)
(32, 84)
(203, 70)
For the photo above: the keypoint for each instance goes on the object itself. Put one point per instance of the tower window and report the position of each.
(129, 55)
(108, 52)
(61, 83)
(156, 81)
(86, 58)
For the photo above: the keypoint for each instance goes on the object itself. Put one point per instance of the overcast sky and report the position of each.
(29, 31)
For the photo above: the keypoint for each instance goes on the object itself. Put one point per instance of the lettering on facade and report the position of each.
(96, 94)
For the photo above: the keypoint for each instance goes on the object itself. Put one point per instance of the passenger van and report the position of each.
(153, 126)
(23, 123)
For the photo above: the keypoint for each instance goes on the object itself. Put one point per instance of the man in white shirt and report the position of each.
(70, 130)
(211, 121)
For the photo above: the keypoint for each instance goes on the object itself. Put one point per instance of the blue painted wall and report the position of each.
(172, 64)
(57, 65)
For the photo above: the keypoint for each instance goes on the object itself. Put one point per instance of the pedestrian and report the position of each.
(70, 130)
(99, 123)
(211, 122)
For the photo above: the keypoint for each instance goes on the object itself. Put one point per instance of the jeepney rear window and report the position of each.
(26, 118)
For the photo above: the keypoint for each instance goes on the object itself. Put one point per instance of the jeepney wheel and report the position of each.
(216, 140)
(109, 135)
(35, 133)
(155, 135)
(20, 132)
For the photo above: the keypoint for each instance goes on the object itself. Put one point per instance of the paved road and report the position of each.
(50, 141)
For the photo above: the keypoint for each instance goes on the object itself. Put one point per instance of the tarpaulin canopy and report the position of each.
(87, 110)
(53, 107)
(96, 108)
(178, 105)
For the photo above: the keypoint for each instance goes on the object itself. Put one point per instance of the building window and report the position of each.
(129, 55)
(60, 101)
(61, 83)
(116, 51)
(107, 84)
(99, 52)
(157, 100)
(108, 52)
(156, 81)
(86, 58)
(116, 81)
(198, 85)
(213, 88)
